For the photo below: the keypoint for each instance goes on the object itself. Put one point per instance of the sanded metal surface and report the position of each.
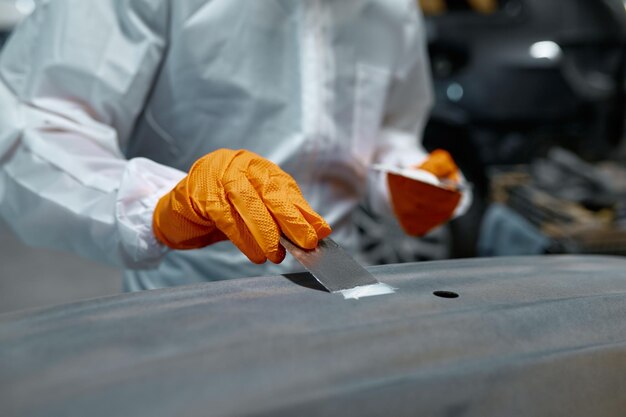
(526, 336)
(331, 265)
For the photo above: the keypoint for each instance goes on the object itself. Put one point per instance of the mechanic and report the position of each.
(134, 131)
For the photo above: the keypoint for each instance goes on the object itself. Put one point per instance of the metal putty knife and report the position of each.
(336, 270)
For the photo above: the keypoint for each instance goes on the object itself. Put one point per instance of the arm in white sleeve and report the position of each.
(73, 79)
(407, 109)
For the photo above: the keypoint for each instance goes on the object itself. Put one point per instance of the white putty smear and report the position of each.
(367, 291)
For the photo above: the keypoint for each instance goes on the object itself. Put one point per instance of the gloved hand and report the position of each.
(242, 197)
(419, 206)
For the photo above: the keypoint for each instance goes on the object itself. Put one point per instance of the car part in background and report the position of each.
(564, 205)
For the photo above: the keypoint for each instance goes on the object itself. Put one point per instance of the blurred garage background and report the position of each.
(530, 98)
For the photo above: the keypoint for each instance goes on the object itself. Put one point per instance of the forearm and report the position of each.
(65, 185)
(49, 207)
(36, 203)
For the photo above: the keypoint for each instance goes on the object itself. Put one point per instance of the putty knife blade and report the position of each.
(331, 265)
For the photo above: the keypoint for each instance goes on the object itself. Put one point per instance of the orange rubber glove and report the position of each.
(420, 206)
(242, 197)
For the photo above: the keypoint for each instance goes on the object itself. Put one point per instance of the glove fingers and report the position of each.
(296, 218)
(293, 224)
(441, 164)
(322, 229)
(235, 229)
(256, 218)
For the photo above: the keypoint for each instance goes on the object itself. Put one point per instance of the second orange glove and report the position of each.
(242, 197)
(420, 206)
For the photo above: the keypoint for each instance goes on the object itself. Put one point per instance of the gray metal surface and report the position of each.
(526, 336)
(331, 265)
(37, 277)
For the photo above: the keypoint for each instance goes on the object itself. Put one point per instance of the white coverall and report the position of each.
(105, 104)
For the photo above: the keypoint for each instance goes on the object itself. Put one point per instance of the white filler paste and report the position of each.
(367, 291)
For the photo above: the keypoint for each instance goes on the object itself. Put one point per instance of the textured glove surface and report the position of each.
(242, 197)
(420, 207)
(441, 164)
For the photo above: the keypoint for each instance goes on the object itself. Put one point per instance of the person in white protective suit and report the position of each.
(106, 105)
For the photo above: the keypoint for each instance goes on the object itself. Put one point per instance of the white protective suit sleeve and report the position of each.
(73, 79)
(409, 101)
